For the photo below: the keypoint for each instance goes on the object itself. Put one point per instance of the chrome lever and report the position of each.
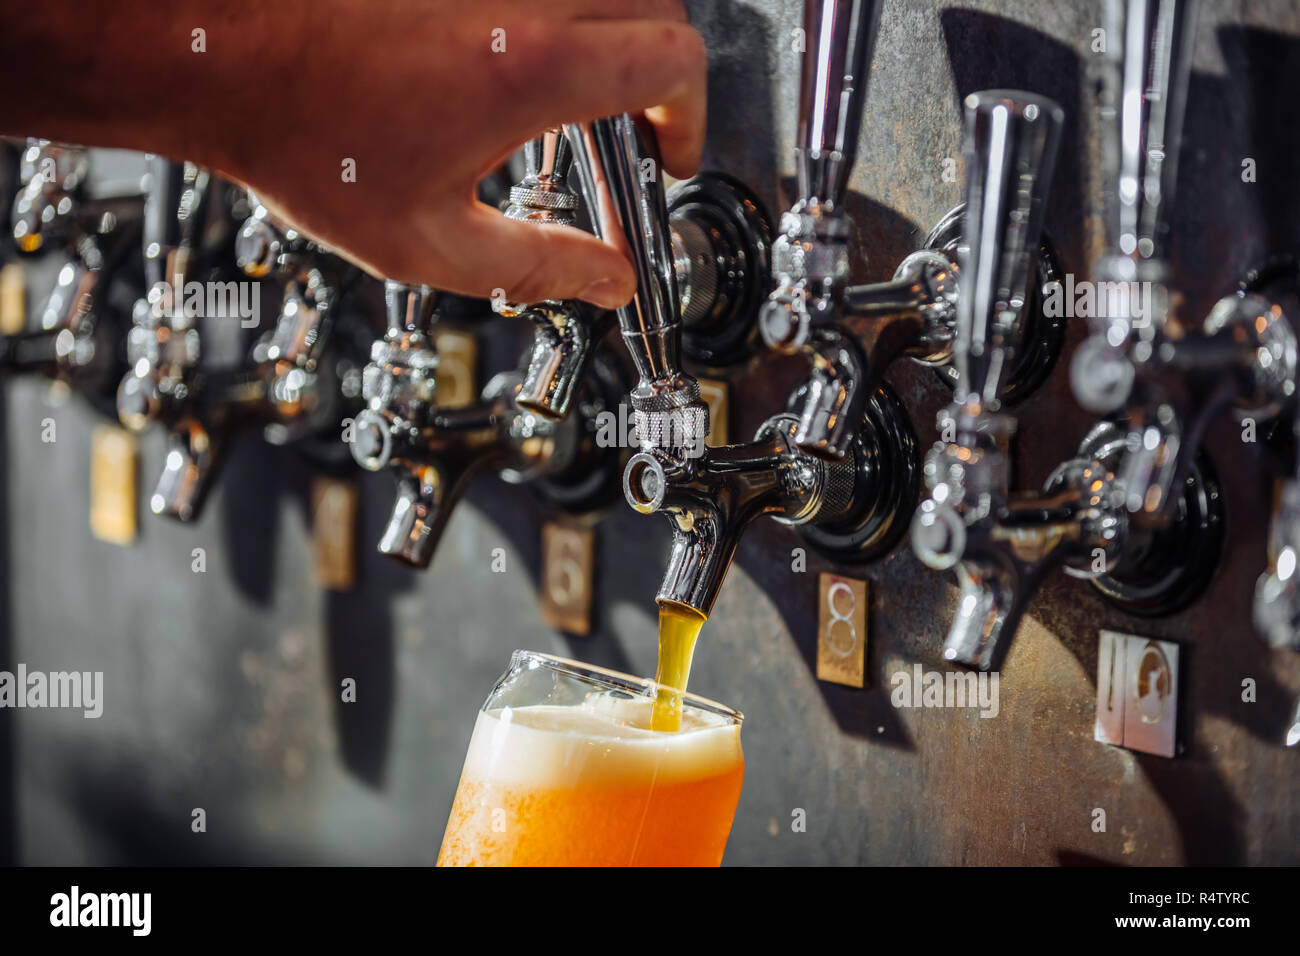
(627, 208)
(1011, 144)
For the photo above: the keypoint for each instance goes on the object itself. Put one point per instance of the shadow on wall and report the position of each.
(741, 42)
(1263, 74)
(989, 52)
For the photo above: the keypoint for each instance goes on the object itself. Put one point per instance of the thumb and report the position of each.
(532, 261)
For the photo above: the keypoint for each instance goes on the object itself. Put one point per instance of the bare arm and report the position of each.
(422, 96)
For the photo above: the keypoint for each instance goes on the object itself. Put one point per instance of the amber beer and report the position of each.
(564, 770)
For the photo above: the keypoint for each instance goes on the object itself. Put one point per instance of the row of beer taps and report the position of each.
(1137, 511)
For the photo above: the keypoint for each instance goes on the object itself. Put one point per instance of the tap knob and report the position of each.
(840, 35)
(176, 208)
(1011, 143)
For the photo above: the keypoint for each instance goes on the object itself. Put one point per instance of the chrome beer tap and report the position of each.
(567, 333)
(304, 391)
(436, 451)
(711, 494)
(850, 335)
(1168, 378)
(1001, 544)
(167, 383)
(720, 240)
(80, 324)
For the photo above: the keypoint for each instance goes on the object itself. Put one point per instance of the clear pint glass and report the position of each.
(563, 770)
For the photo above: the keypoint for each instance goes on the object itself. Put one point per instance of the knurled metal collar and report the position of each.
(667, 399)
(535, 198)
(685, 427)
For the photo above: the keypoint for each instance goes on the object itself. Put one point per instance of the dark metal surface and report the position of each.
(222, 688)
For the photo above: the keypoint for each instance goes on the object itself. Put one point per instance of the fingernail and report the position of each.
(605, 293)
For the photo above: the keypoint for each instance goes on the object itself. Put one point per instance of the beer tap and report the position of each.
(77, 341)
(525, 426)
(1002, 545)
(168, 382)
(1169, 379)
(567, 333)
(711, 494)
(720, 239)
(293, 384)
(304, 392)
(436, 451)
(851, 334)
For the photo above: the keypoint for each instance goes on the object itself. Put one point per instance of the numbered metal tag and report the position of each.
(13, 299)
(1137, 693)
(457, 376)
(841, 630)
(568, 557)
(334, 533)
(113, 466)
(714, 393)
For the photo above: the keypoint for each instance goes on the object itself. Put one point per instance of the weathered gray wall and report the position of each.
(222, 687)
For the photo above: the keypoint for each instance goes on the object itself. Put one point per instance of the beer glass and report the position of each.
(563, 770)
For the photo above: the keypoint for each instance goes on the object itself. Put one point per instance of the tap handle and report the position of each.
(1011, 143)
(839, 35)
(175, 206)
(260, 243)
(1144, 86)
(623, 189)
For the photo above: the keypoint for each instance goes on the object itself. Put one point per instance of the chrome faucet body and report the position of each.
(436, 451)
(566, 333)
(303, 394)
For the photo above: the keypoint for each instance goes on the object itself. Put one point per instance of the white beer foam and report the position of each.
(603, 741)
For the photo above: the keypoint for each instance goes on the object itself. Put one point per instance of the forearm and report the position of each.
(367, 123)
(134, 74)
